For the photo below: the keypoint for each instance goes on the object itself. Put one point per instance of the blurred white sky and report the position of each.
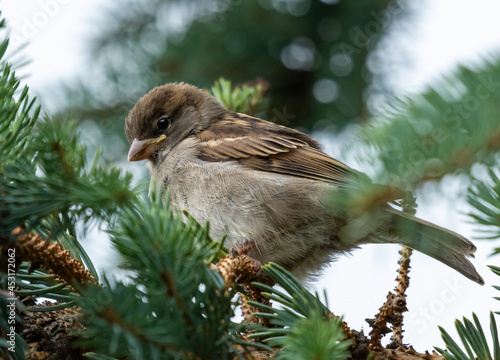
(442, 34)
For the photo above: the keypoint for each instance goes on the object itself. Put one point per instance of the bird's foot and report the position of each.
(243, 249)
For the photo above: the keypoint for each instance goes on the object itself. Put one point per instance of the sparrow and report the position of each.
(269, 188)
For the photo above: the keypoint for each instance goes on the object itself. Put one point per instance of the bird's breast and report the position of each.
(284, 216)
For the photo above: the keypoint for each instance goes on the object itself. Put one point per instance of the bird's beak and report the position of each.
(143, 149)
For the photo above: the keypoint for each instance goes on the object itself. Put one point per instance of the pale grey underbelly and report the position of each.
(284, 216)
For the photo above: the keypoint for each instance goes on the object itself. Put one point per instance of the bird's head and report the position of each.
(167, 115)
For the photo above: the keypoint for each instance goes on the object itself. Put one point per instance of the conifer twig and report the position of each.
(50, 256)
(348, 332)
(409, 206)
(392, 310)
(403, 281)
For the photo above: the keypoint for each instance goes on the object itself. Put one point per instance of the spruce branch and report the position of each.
(393, 308)
(303, 313)
(52, 334)
(50, 256)
(484, 196)
(437, 132)
(390, 312)
(300, 309)
(473, 339)
(248, 98)
(173, 293)
(51, 180)
(403, 281)
(284, 323)
(110, 315)
(181, 308)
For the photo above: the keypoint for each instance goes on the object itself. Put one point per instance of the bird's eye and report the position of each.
(164, 122)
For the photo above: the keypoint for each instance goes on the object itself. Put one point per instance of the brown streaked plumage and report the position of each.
(269, 185)
(264, 146)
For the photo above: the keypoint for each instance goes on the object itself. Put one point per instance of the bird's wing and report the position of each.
(265, 146)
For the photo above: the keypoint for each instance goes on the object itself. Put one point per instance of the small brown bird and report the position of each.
(266, 186)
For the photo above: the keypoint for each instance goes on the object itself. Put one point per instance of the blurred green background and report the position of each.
(312, 55)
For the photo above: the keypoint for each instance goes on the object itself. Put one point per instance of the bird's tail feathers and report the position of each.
(435, 241)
